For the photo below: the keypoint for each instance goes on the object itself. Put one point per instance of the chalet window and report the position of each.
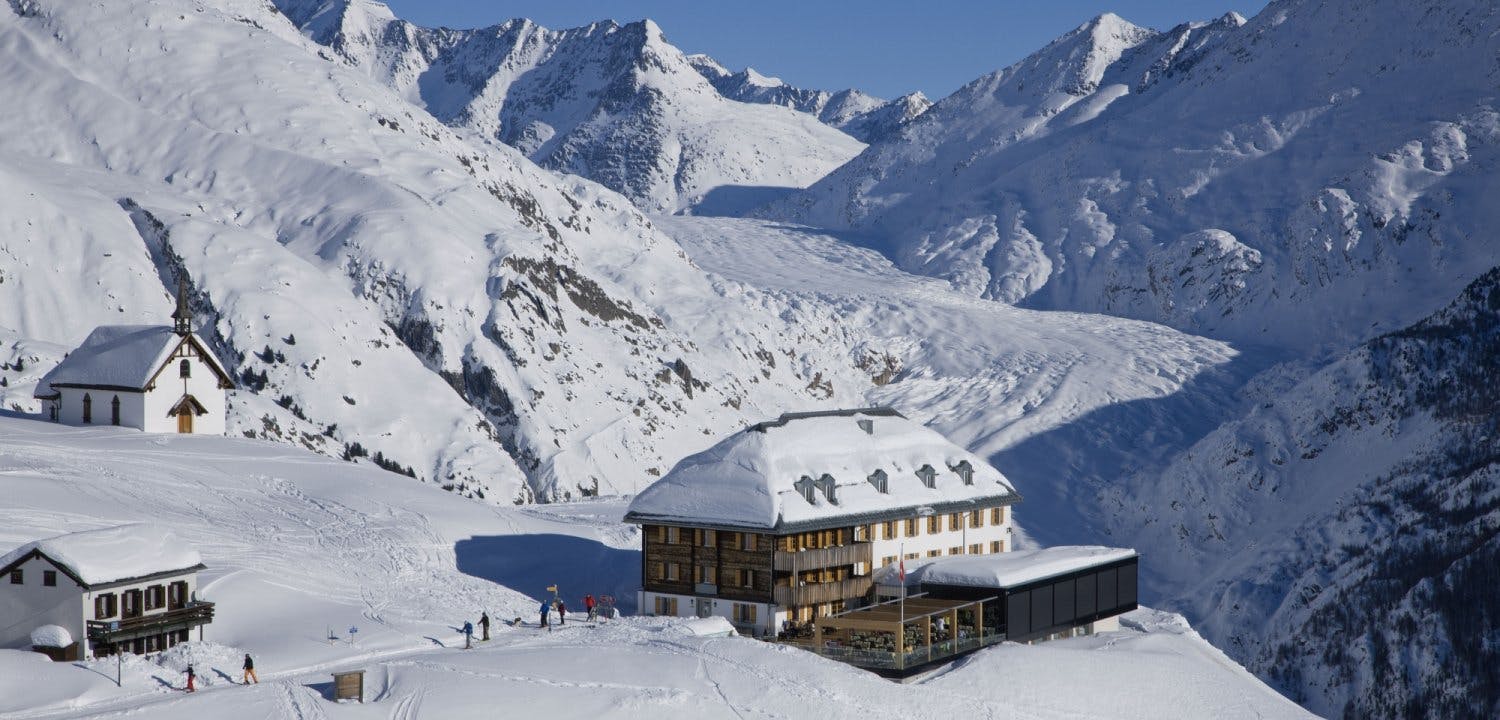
(749, 541)
(911, 528)
(114, 411)
(104, 606)
(177, 595)
(888, 530)
(17, 577)
(658, 570)
(747, 578)
(673, 573)
(913, 556)
(976, 519)
(976, 549)
(934, 553)
(744, 613)
(829, 487)
(88, 408)
(997, 546)
(156, 597)
(49, 578)
(706, 538)
(185, 369)
(955, 521)
(674, 535)
(130, 603)
(934, 524)
(927, 475)
(880, 480)
(666, 606)
(806, 488)
(997, 515)
(955, 551)
(888, 560)
(706, 574)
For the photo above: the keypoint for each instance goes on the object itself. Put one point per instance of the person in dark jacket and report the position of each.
(191, 677)
(546, 608)
(468, 635)
(484, 625)
(249, 675)
(562, 612)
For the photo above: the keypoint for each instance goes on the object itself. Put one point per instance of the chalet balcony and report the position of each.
(815, 593)
(187, 617)
(860, 552)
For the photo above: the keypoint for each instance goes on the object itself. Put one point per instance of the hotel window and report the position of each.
(997, 515)
(49, 578)
(17, 577)
(672, 572)
(156, 597)
(658, 570)
(747, 578)
(976, 549)
(744, 613)
(749, 541)
(955, 521)
(913, 556)
(706, 538)
(104, 606)
(934, 524)
(888, 560)
(976, 519)
(955, 551)
(707, 574)
(674, 535)
(997, 546)
(911, 527)
(888, 530)
(934, 553)
(666, 606)
(927, 475)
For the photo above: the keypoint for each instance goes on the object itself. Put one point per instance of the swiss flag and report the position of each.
(901, 568)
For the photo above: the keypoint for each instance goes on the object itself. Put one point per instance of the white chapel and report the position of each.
(156, 378)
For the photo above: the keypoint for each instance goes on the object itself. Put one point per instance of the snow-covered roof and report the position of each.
(96, 557)
(1008, 569)
(119, 356)
(751, 479)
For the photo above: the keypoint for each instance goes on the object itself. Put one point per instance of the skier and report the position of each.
(588, 605)
(468, 635)
(191, 676)
(546, 608)
(562, 612)
(249, 671)
(484, 625)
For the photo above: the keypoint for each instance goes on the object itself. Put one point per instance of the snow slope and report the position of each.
(296, 544)
(380, 287)
(616, 104)
(863, 116)
(1220, 177)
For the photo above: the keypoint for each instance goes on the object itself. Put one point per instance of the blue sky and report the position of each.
(885, 47)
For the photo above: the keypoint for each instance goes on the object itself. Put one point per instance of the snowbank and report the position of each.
(704, 627)
(51, 636)
(116, 553)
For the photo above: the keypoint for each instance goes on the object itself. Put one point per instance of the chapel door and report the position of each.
(185, 420)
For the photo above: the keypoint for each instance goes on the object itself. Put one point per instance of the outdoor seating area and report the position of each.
(900, 636)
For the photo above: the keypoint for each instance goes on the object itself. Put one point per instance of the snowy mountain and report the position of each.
(1219, 177)
(614, 103)
(863, 116)
(301, 548)
(381, 287)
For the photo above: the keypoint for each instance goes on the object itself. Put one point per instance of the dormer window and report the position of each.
(927, 475)
(881, 481)
(965, 472)
(807, 488)
(830, 489)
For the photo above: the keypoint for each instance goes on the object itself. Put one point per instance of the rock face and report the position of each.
(864, 116)
(614, 103)
(383, 288)
(1324, 153)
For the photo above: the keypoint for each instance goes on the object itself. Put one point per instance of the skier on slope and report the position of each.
(191, 676)
(588, 605)
(562, 612)
(546, 608)
(468, 632)
(484, 625)
(249, 671)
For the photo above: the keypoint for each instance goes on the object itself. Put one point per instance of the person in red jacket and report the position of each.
(588, 605)
(191, 676)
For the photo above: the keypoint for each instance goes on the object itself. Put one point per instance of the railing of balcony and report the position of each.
(824, 557)
(813, 593)
(194, 613)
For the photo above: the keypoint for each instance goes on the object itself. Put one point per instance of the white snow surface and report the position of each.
(114, 553)
(51, 636)
(747, 479)
(121, 355)
(297, 544)
(1008, 569)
